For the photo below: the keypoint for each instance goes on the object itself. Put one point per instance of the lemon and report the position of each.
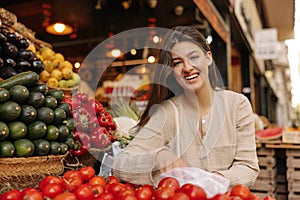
(48, 66)
(70, 83)
(76, 78)
(47, 53)
(52, 82)
(59, 56)
(62, 83)
(67, 64)
(67, 73)
(44, 76)
(56, 73)
(57, 64)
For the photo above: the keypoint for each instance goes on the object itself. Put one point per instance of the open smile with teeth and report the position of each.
(191, 76)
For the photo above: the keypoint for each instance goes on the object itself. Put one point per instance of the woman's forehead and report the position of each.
(184, 48)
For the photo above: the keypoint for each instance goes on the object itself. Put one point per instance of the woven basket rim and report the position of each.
(32, 159)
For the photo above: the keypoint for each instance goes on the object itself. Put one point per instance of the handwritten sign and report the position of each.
(266, 44)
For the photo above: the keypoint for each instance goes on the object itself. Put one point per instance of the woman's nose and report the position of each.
(188, 66)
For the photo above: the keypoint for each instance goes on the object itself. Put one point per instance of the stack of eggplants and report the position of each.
(14, 55)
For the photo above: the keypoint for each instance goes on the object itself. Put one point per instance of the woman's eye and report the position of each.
(176, 63)
(194, 57)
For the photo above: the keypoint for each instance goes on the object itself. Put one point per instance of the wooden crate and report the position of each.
(264, 185)
(272, 177)
(266, 182)
(293, 173)
(293, 196)
(277, 196)
(294, 185)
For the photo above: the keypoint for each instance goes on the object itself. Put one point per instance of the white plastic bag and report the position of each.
(211, 183)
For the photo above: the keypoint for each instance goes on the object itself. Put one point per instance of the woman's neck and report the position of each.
(199, 102)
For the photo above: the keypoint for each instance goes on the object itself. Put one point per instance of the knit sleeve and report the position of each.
(245, 167)
(137, 163)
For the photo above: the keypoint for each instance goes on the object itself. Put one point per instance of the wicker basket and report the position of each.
(19, 173)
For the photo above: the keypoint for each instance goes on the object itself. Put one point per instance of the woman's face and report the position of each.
(190, 65)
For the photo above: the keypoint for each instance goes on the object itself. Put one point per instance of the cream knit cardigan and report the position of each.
(228, 147)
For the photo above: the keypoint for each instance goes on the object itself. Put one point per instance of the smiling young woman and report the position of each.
(190, 120)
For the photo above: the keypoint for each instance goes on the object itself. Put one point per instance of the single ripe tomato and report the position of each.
(145, 192)
(65, 196)
(87, 172)
(164, 193)
(14, 194)
(124, 193)
(84, 192)
(221, 197)
(50, 179)
(26, 190)
(97, 189)
(193, 191)
(128, 197)
(105, 196)
(116, 188)
(180, 196)
(72, 183)
(253, 196)
(112, 179)
(72, 173)
(169, 182)
(33, 195)
(52, 190)
(98, 180)
(240, 191)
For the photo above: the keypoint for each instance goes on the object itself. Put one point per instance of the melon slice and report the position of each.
(269, 133)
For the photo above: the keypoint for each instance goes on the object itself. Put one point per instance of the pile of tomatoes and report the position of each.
(83, 184)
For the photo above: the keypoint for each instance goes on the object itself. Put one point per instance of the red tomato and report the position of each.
(116, 188)
(33, 195)
(52, 190)
(169, 182)
(193, 191)
(128, 197)
(125, 192)
(65, 196)
(235, 198)
(97, 189)
(84, 192)
(164, 193)
(112, 179)
(253, 196)
(105, 196)
(50, 179)
(220, 197)
(240, 191)
(73, 182)
(98, 180)
(129, 186)
(12, 195)
(87, 172)
(71, 173)
(26, 190)
(180, 196)
(145, 192)
(269, 198)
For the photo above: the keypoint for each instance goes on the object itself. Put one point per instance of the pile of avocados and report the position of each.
(34, 121)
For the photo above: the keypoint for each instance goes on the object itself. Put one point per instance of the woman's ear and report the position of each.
(209, 58)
